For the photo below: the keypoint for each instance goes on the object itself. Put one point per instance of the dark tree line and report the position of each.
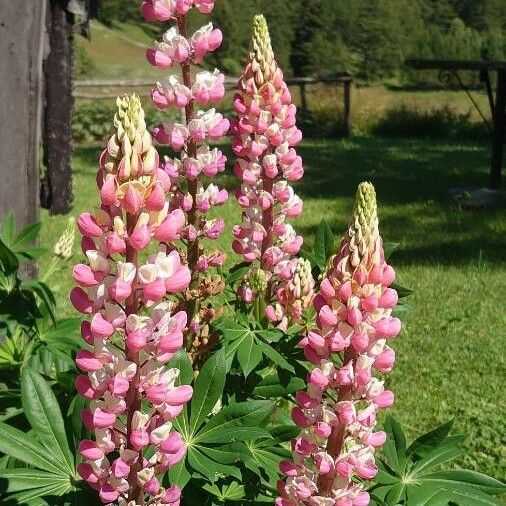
(370, 38)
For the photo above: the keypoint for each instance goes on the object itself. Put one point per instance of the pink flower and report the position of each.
(262, 142)
(204, 40)
(125, 333)
(353, 307)
(208, 87)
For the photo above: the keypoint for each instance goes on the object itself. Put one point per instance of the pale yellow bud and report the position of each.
(64, 245)
(263, 63)
(363, 233)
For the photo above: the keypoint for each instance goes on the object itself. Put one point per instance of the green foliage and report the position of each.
(405, 121)
(412, 475)
(84, 66)
(41, 462)
(29, 330)
(91, 121)
(218, 431)
(117, 10)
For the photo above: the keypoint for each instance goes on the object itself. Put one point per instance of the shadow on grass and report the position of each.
(412, 178)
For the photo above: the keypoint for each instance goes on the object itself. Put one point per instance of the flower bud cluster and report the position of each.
(334, 453)
(265, 135)
(133, 327)
(191, 198)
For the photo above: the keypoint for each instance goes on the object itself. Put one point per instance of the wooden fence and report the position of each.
(103, 89)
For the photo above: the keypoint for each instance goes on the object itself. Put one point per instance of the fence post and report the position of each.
(499, 119)
(303, 96)
(56, 185)
(21, 53)
(347, 108)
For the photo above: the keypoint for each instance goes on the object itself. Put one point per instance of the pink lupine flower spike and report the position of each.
(133, 327)
(265, 136)
(334, 455)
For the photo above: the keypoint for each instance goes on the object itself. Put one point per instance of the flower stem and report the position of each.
(133, 397)
(193, 248)
(336, 438)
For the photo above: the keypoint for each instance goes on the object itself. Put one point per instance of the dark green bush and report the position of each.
(442, 122)
(92, 121)
(84, 66)
(327, 123)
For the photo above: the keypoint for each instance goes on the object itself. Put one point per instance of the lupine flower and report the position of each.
(334, 453)
(264, 139)
(134, 329)
(190, 197)
(64, 245)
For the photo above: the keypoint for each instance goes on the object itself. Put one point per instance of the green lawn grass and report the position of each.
(450, 355)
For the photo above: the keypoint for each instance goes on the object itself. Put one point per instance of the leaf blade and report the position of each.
(43, 413)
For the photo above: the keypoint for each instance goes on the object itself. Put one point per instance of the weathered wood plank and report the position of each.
(21, 54)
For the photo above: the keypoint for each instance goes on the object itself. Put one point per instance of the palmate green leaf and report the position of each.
(460, 479)
(208, 389)
(232, 418)
(209, 468)
(472, 498)
(427, 442)
(414, 479)
(324, 244)
(182, 362)
(232, 492)
(402, 290)
(395, 447)
(271, 335)
(396, 494)
(275, 356)
(232, 434)
(446, 451)
(249, 354)
(28, 234)
(260, 456)
(23, 447)
(8, 259)
(21, 479)
(35, 496)
(179, 474)
(44, 293)
(390, 248)
(43, 413)
(274, 386)
(237, 272)
(8, 230)
(284, 433)
(428, 495)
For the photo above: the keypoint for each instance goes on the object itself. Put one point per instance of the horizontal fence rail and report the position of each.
(91, 89)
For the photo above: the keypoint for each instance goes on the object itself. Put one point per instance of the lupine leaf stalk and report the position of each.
(190, 197)
(334, 454)
(265, 135)
(135, 326)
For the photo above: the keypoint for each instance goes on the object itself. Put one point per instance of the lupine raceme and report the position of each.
(334, 454)
(265, 135)
(190, 196)
(134, 326)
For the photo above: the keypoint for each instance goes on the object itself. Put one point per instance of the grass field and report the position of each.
(451, 351)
